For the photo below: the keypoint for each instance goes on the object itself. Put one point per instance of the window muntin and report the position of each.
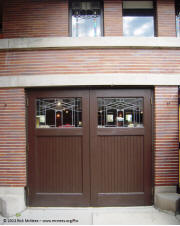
(120, 112)
(178, 18)
(138, 18)
(86, 18)
(58, 112)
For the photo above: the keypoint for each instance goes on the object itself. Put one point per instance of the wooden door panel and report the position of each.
(89, 165)
(120, 160)
(58, 158)
(121, 157)
(59, 161)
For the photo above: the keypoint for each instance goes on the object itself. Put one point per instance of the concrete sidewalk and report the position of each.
(109, 215)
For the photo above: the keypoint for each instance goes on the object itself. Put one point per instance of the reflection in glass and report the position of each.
(177, 6)
(178, 25)
(138, 26)
(120, 112)
(86, 26)
(59, 112)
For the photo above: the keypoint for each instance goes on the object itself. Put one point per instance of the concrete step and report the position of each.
(168, 202)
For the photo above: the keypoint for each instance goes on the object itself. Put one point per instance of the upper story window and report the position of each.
(138, 18)
(86, 18)
(178, 18)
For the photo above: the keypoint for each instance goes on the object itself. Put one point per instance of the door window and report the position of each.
(120, 112)
(58, 112)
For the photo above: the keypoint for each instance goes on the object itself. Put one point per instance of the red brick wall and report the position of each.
(166, 25)
(113, 23)
(89, 61)
(12, 138)
(27, 18)
(166, 135)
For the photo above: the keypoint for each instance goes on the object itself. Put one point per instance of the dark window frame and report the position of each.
(101, 17)
(1, 17)
(143, 12)
(177, 5)
(138, 12)
(177, 11)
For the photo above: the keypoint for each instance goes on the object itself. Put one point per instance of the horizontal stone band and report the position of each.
(89, 43)
(90, 80)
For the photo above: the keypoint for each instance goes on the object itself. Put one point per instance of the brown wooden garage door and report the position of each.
(89, 147)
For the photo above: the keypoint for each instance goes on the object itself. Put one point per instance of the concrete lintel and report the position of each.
(89, 80)
(4, 44)
(89, 42)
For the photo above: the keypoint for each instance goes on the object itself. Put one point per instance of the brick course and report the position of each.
(27, 18)
(12, 138)
(89, 61)
(23, 18)
(166, 154)
(113, 21)
(166, 23)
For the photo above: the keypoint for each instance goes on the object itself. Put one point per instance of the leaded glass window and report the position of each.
(120, 112)
(58, 112)
(86, 18)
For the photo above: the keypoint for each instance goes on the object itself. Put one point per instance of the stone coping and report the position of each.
(89, 43)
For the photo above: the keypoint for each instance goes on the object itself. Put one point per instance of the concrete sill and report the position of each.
(89, 43)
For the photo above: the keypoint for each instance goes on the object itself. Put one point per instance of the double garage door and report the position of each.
(89, 147)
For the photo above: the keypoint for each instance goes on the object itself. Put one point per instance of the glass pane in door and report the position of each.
(58, 112)
(120, 112)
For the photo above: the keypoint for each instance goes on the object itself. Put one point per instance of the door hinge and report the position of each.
(28, 191)
(27, 102)
(152, 190)
(151, 101)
